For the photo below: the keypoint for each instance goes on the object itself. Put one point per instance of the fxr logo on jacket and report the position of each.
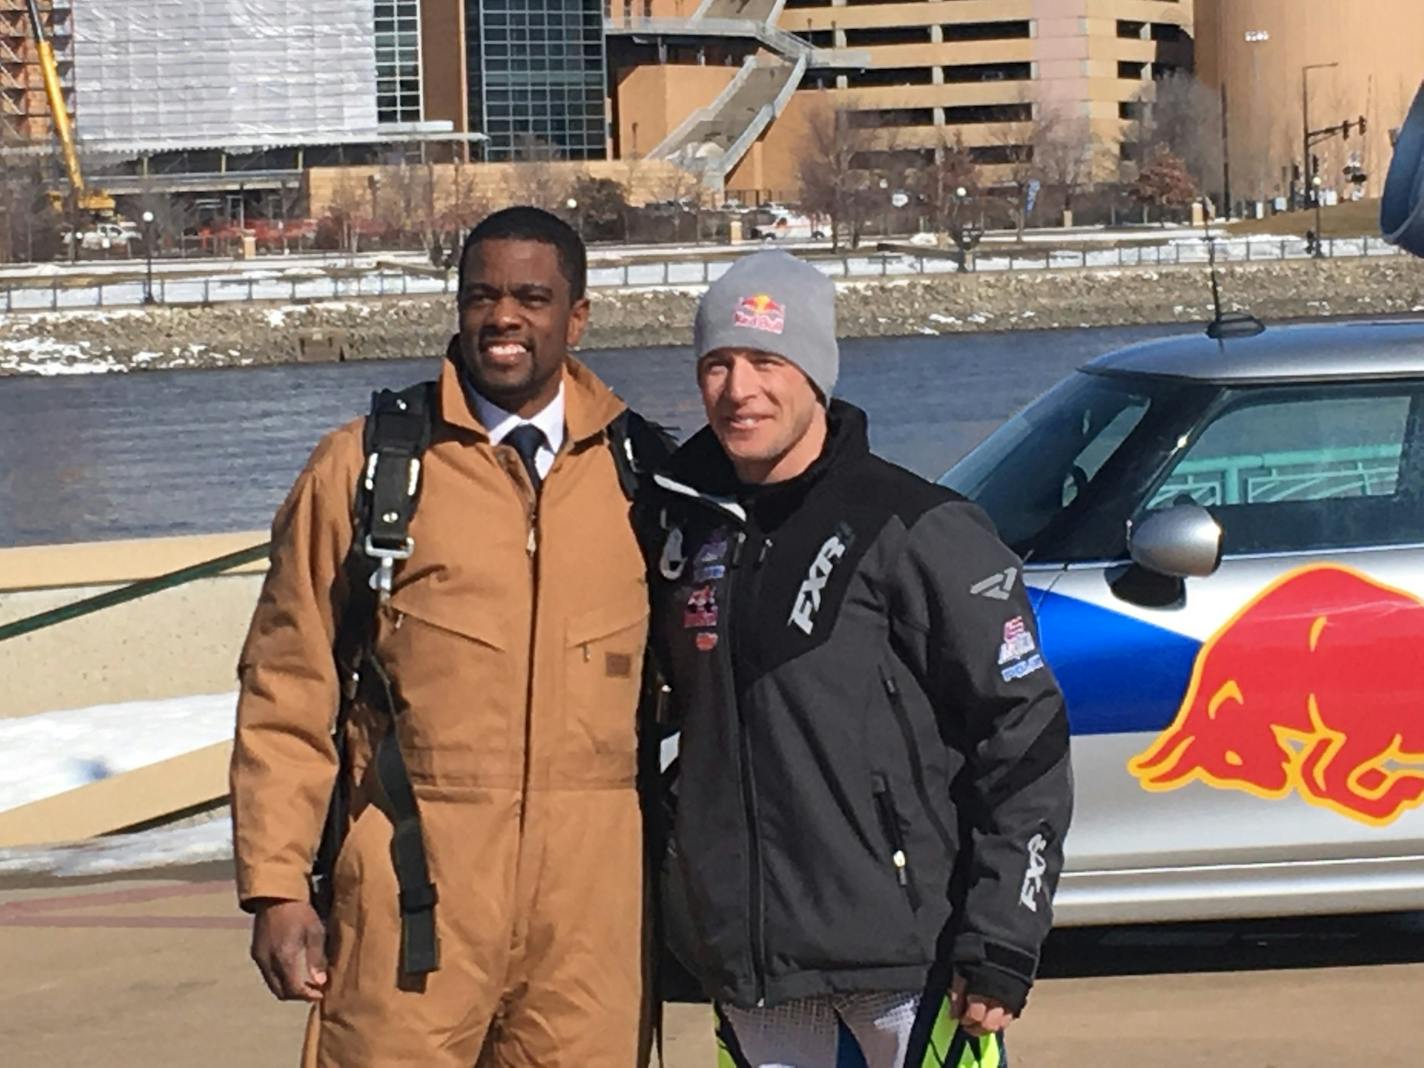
(808, 598)
(1033, 874)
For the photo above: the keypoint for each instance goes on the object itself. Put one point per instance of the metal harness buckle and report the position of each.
(384, 574)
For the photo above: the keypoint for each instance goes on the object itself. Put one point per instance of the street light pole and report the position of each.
(148, 255)
(1315, 184)
(1306, 170)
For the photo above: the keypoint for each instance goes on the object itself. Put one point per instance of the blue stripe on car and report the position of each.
(1118, 674)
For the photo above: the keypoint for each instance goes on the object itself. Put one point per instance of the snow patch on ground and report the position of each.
(164, 847)
(51, 752)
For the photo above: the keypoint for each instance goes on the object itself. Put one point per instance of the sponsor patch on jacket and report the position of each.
(710, 573)
(761, 313)
(714, 552)
(701, 611)
(618, 665)
(706, 641)
(1018, 642)
(1021, 668)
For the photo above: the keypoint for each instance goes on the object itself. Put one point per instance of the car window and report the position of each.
(1304, 469)
(1035, 467)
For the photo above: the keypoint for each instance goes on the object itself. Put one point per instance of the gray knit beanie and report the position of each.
(773, 302)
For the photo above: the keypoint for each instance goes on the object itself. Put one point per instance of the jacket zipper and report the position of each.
(890, 820)
(756, 919)
(917, 771)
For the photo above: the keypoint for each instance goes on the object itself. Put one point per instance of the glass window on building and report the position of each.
(537, 77)
(398, 61)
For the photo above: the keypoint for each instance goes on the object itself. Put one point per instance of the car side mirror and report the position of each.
(1182, 541)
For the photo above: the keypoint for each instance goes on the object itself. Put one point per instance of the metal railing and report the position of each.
(134, 591)
(31, 297)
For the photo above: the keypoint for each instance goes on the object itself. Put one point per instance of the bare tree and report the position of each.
(938, 184)
(688, 191)
(832, 183)
(536, 178)
(348, 205)
(1180, 114)
(1011, 141)
(29, 226)
(405, 203)
(1067, 153)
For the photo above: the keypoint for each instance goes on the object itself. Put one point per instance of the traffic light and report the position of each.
(1345, 129)
(1362, 125)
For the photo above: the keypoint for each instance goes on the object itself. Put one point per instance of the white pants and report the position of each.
(869, 1030)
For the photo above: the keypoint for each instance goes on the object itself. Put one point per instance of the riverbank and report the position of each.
(240, 335)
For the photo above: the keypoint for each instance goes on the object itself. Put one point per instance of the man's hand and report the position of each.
(978, 1016)
(289, 948)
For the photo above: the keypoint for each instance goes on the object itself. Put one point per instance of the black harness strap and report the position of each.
(397, 434)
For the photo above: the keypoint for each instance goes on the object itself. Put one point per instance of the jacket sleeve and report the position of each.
(964, 620)
(283, 761)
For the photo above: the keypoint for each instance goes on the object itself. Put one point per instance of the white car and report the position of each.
(104, 236)
(788, 226)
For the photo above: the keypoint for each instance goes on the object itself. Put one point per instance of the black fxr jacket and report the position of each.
(874, 768)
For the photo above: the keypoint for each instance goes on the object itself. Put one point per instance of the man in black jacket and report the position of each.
(873, 783)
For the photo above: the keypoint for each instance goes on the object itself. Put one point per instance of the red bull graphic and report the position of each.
(761, 313)
(1314, 687)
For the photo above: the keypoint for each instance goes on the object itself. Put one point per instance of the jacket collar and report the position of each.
(700, 468)
(589, 405)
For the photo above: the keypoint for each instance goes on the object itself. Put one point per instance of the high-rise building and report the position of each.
(537, 78)
(734, 80)
(1297, 72)
(398, 96)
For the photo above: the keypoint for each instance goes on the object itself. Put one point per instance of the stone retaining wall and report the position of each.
(235, 335)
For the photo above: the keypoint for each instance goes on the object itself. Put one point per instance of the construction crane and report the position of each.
(94, 201)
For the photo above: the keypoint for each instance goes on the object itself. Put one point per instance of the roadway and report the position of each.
(151, 969)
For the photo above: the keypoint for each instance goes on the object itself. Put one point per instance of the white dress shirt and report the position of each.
(549, 420)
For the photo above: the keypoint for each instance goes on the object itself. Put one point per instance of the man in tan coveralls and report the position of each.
(514, 637)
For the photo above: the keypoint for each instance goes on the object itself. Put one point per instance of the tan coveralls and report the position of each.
(515, 638)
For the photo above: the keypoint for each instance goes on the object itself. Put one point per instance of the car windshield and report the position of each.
(1055, 454)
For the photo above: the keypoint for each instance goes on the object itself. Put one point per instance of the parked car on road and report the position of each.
(1224, 538)
(103, 236)
(790, 226)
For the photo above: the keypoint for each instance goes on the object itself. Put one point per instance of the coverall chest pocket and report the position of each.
(453, 678)
(603, 669)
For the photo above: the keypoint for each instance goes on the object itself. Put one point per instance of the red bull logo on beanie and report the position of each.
(1313, 688)
(761, 313)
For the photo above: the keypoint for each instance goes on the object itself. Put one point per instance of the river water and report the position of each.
(96, 457)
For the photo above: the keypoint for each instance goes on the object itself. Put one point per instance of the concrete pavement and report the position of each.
(152, 970)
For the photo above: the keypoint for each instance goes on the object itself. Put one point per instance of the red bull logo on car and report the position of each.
(761, 312)
(1316, 688)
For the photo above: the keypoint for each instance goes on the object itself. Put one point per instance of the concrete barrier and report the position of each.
(145, 795)
(172, 644)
